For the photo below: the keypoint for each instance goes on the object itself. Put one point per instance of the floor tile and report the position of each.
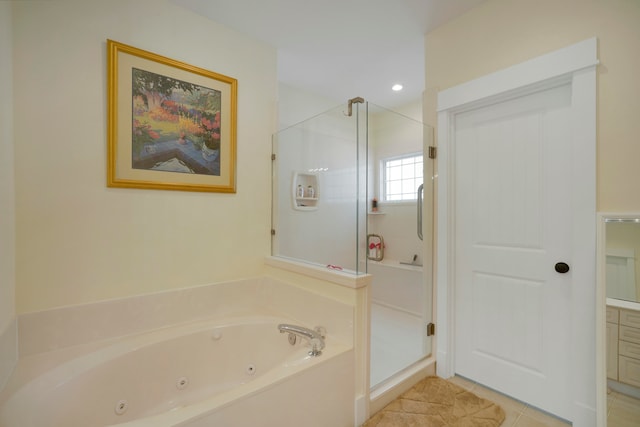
(526, 421)
(435, 402)
(544, 418)
(518, 414)
(624, 411)
(511, 417)
(505, 401)
(462, 382)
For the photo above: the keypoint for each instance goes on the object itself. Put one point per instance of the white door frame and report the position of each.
(575, 64)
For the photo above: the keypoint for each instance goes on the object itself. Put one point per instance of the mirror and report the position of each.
(619, 314)
(621, 268)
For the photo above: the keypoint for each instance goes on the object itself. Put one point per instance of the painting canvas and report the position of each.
(171, 125)
(176, 125)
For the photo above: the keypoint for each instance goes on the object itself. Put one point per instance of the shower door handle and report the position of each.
(419, 197)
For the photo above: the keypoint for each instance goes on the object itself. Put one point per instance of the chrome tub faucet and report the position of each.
(314, 336)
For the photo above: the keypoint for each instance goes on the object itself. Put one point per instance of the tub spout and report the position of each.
(314, 336)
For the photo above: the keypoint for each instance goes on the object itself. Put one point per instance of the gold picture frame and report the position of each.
(171, 125)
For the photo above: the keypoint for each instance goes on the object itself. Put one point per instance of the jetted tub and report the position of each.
(236, 372)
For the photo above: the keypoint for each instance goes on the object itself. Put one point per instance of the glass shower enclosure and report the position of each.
(319, 191)
(327, 171)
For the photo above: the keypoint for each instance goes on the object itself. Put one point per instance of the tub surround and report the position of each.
(353, 290)
(53, 338)
(50, 337)
(174, 375)
(80, 324)
(329, 273)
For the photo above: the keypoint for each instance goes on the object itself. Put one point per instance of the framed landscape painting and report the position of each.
(171, 126)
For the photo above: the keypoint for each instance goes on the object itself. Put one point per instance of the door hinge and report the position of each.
(273, 157)
(273, 232)
(431, 329)
(433, 152)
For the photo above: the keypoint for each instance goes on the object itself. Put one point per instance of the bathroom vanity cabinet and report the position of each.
(623, 346)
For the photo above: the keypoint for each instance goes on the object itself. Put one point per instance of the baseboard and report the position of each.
(361, 410)
(629, 390)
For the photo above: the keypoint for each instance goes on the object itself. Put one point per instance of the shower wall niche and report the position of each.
(305, 191)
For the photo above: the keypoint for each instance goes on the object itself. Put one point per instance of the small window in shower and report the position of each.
(401, 177)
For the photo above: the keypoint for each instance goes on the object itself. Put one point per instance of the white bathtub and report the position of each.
(170, 377)
(236, 371)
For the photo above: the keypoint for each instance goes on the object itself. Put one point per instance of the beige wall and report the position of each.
(7, 196)
(296, 105)
(500, 33)
(8, 347)
(79, 241)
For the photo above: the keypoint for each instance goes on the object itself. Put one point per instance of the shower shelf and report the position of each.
(306, 203)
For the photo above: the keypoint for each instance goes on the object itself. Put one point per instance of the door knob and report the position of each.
(562, 267)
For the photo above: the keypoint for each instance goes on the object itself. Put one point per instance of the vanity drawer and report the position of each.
(629, 349)
(612, 315)
(629, 371)
(630, 318)
(629, 334)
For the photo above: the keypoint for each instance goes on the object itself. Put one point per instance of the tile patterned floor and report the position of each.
(393, 331)
(518, 414)
(623, 411)
(435, 402)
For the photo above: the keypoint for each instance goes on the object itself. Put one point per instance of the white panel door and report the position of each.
(512, 226)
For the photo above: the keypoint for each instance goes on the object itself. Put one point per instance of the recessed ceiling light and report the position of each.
(396, 87)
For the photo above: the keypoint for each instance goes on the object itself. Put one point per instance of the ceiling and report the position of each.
(341, 49)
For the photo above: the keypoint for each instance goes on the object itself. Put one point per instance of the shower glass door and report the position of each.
(399, 241)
